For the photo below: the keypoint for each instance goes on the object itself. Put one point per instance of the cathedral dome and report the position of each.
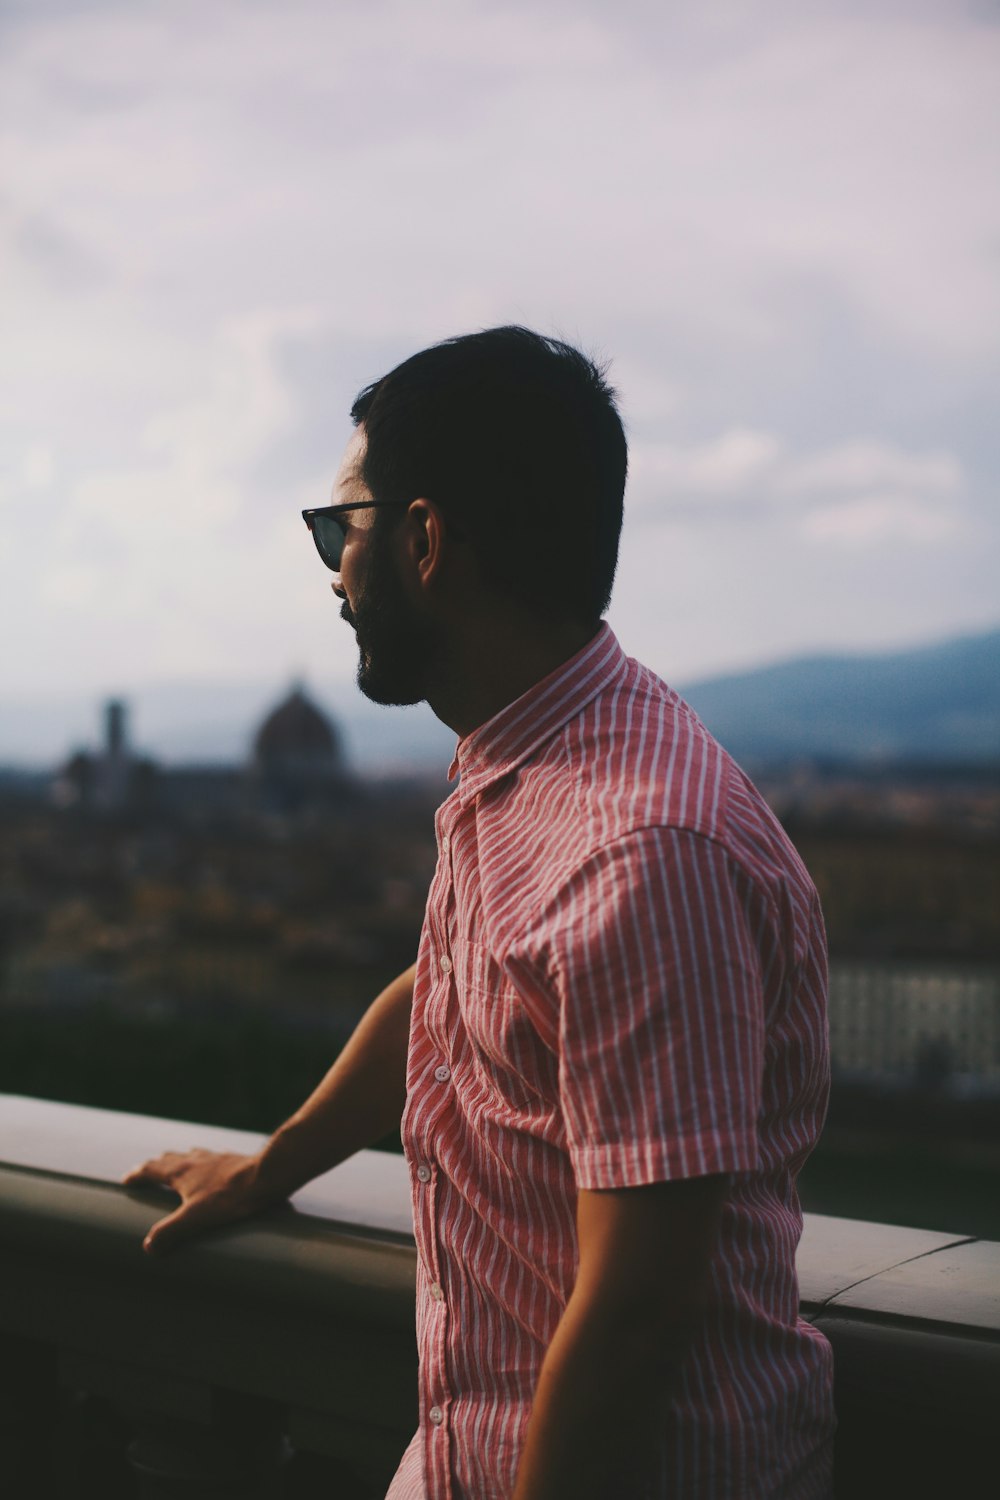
(297, 733)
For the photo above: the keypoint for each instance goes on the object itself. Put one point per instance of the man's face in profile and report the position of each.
(393, 638)
(395, 641)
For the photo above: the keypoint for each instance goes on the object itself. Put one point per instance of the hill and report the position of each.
(936, 703)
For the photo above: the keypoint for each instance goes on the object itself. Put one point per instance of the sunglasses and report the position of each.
(329, 530)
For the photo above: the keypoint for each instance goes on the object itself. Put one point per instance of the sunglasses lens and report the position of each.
(329, 536)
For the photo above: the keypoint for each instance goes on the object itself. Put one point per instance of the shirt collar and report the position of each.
(517, 731)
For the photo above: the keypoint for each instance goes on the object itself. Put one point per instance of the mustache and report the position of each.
(347, 615)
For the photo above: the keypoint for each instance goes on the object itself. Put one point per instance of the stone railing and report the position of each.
(277, 1357)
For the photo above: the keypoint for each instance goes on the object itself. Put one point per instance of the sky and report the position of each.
(780, 223)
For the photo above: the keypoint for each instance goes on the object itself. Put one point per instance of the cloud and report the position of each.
(70, 585)
(691, 160)
(196, 453)
(38, 467)
(731, 465)
(781, 222)
(861, 492)
(864, 520)
(869, 464)
(64, 263)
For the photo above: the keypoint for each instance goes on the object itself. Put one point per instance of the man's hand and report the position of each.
(359, 1101)
(215, 1188)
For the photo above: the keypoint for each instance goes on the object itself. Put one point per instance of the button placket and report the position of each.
(436, 1088)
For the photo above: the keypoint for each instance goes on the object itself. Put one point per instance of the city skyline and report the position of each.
(937, 703)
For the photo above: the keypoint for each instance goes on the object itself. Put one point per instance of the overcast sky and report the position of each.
(780, 222)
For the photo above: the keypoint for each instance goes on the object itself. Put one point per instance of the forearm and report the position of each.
(599, 1406)
(616, 1357)
(360, 1100)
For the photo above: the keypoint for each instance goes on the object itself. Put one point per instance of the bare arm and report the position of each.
(617, 1353)
(359, 1101)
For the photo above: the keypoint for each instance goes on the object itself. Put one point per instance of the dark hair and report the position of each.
(518, 439)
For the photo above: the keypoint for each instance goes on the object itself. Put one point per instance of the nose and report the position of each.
(337, 586)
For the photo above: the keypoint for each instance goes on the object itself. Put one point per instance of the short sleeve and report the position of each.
(658, 979)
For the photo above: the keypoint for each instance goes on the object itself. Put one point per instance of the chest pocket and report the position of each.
(506, 1052)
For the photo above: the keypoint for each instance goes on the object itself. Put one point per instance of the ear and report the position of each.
(425, 541)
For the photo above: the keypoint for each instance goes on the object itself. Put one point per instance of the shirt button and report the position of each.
(445, 964)
(423, 1172)
(445, 844)
(436, 1415)
(436, 1291)
(442, 1074)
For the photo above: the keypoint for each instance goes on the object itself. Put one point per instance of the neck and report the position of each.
(494, 661)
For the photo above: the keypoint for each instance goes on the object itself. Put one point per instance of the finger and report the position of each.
(170, 1231)
(158, 1171)
(206, 1211)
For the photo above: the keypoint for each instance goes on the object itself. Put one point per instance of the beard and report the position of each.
(396, 644)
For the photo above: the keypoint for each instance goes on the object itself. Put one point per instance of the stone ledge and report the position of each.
(349, 1233)
(309, 1311)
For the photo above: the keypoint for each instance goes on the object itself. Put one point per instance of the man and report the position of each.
(610, 1058)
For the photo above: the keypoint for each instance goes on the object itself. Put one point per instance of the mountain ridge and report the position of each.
(936, 702)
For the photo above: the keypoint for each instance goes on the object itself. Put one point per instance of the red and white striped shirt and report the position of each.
(621, 980)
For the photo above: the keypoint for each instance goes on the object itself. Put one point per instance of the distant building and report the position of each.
(115, 765)
(108, 779)
(297, 757)
(296, 764)
(297, 739)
